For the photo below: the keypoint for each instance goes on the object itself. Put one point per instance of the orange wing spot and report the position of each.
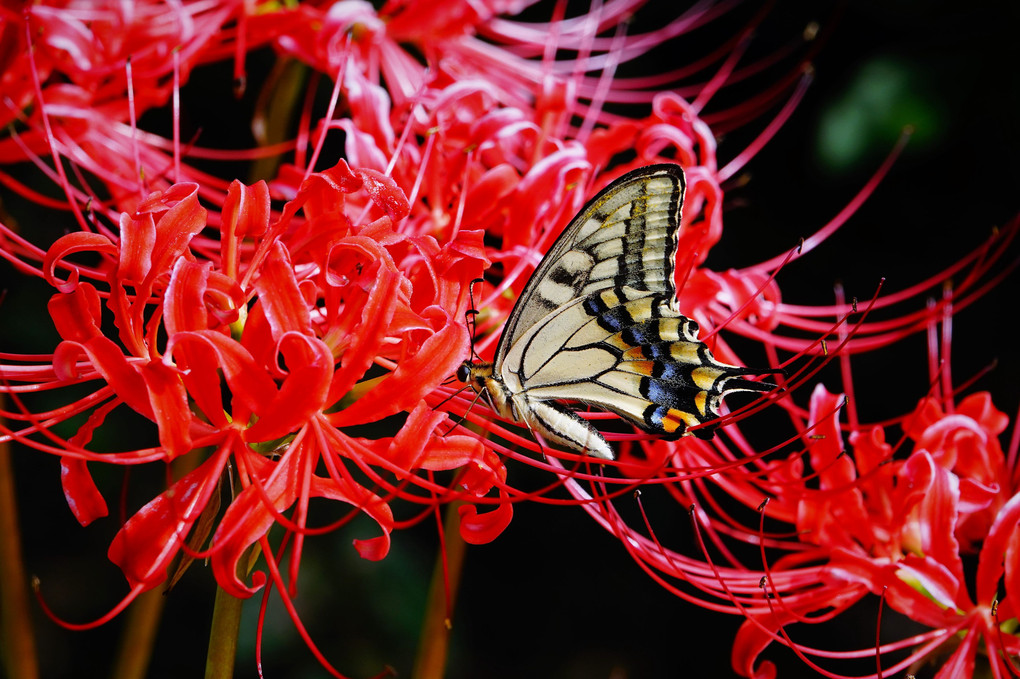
(634, 354)
(674, 418)
(617, 341)
(701, 401)
(638, 367)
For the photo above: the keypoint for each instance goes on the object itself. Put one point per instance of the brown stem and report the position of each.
(139, 635)
(17, 641)
(435, 632)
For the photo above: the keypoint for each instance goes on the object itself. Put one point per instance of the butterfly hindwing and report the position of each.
(628, 351)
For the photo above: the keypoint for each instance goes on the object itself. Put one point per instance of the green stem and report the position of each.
(17, 642)
(435, 633)
(226, 621)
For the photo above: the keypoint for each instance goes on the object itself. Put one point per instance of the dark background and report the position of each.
(555, 596)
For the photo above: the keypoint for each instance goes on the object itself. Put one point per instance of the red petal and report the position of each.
(169, 406)
(148, 541)
(479, 529)
(385, 193)
(1001, 543)
(84, 499)
(77, 313)
(936, 513)
(137, 239)
(184, 300)
(979, 407)
(279, 296)
(246, 209)
(176, 227)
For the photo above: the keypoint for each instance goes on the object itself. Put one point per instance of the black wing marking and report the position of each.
(628, 351)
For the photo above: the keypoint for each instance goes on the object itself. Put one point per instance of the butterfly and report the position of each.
(598, 324)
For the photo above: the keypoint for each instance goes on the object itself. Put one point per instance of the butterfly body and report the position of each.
(598, 323)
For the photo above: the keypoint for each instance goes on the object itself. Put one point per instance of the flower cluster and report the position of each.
(900, 528)
(291, 340)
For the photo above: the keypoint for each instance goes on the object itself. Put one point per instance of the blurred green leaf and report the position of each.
(887, 96)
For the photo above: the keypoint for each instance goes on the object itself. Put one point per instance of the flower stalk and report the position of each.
(434, 643)
(17, 639)
(226, 621)
(140, 630)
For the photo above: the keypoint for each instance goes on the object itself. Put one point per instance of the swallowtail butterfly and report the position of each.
(598, 323)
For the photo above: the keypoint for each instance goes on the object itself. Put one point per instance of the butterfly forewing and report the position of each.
(626, 235)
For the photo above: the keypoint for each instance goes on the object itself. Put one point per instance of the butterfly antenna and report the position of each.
(470, 318)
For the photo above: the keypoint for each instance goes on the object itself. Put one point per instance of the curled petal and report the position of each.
(279, 296)
(199, 298)
(385, 193)
(999, 553)
(979, 408)
(479, 529)
(158, 232)
(303, 392)
(67, 245)
(77, 313)
(246, 209)
(137, 239)
(84, 499)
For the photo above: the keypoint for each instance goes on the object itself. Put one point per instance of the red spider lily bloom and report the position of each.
(900, 529)
(263, 366)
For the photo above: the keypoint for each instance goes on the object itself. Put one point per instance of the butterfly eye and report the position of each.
(464, 371)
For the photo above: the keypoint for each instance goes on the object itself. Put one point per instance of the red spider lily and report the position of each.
(255, 338)
(263, 365)
(895, 528)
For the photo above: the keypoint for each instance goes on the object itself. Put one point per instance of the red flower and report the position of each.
(892, 528)
(263, 364)
(256, 337)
